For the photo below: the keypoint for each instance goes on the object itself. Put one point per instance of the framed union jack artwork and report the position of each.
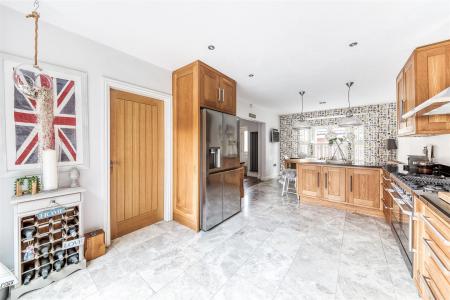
(69, 109)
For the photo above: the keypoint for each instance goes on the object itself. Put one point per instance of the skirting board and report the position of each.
(344, 206)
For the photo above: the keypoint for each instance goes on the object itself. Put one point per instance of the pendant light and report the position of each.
(349, 120)
(301, 123)
(31, 80)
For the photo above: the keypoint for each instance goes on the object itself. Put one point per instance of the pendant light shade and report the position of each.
(301, 123)
(349, 120)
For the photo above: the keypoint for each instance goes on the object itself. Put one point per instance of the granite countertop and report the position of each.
(323, 162)
(436, 204)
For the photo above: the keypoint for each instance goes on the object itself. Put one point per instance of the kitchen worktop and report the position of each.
(331, 163)
(436, 204)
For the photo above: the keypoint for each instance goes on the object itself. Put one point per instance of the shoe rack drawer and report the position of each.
(48, 202)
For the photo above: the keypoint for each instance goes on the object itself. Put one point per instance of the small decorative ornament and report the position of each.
(26, 185)
(74, 176)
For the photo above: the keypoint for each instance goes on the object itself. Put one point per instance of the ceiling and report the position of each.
(287, 45)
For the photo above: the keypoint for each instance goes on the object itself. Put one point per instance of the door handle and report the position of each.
(223, 95)
(219, 95)
(326, 180)
(318, 179)
(351, 183)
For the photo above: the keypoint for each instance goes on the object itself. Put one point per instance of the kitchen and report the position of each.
(349, 152)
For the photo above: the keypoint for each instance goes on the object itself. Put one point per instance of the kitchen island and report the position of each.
(354, 187)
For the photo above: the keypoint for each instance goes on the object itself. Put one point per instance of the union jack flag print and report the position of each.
(65, 122)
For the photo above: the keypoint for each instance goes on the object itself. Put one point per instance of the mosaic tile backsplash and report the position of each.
(380, 123)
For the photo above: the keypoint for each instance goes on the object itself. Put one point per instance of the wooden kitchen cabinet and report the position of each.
(228, 88)
(194, 86)
(328, 185)
(334, 183)
(363, 187)
(425, 74)
(217, 91)
(209, 87)
(309, 180)
(431, 252)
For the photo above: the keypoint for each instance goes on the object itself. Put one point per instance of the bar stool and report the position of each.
(289, 177)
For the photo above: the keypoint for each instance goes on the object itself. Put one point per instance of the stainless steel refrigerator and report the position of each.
(220, 175)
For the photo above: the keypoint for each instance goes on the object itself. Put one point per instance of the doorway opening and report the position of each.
(251, 151)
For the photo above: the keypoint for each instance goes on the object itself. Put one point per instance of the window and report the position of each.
(246, 141)
(304, 141)
(315, 143)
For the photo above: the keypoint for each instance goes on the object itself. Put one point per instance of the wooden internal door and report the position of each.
(363, 187)
(137, 162)
(309, 180)
(334, 183)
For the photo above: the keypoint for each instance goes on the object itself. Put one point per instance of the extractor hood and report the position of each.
(436, 105)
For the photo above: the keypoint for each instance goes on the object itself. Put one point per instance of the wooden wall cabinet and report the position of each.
(425, 74)
(194, 86)
(363, 187)
(217, 91)
(333, 183)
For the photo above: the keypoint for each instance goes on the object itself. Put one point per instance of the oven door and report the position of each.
(402, 223)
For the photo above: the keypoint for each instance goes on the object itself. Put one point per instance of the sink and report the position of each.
(311, 160)
(337, 162)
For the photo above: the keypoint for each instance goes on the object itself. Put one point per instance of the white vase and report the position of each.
(49, 170)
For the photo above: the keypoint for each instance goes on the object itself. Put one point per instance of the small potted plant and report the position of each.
(33, 185)
(18, 186)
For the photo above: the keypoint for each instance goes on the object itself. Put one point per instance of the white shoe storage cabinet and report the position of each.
(48, 238)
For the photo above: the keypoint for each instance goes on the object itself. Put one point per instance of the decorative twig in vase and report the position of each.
(338, 141)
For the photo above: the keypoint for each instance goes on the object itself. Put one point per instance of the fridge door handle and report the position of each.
(218, 158)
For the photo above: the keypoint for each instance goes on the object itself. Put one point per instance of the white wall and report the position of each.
(414, 145)
(270, 151)
(62, 48)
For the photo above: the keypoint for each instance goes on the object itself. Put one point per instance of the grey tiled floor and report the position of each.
(273, 249)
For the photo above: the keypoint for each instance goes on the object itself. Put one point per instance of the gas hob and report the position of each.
(426, 183)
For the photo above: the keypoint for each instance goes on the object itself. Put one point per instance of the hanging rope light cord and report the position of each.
(35, 15)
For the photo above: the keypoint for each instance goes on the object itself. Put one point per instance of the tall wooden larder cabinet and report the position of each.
(194, 86)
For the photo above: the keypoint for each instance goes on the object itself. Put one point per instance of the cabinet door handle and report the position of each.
(219, 95)
(351, 183)
(427, 287)
(223, 95)
(326, 180)
(318, 179)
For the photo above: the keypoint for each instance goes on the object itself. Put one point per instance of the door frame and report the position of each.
(109, 83)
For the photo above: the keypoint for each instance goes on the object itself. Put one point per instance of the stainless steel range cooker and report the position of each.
(402, 188)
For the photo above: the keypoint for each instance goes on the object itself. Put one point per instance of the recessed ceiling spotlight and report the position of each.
(322, 102)
(251, 75)
(353, 44)
(211, 47)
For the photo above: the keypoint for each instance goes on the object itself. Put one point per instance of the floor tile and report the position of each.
(273, 249)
